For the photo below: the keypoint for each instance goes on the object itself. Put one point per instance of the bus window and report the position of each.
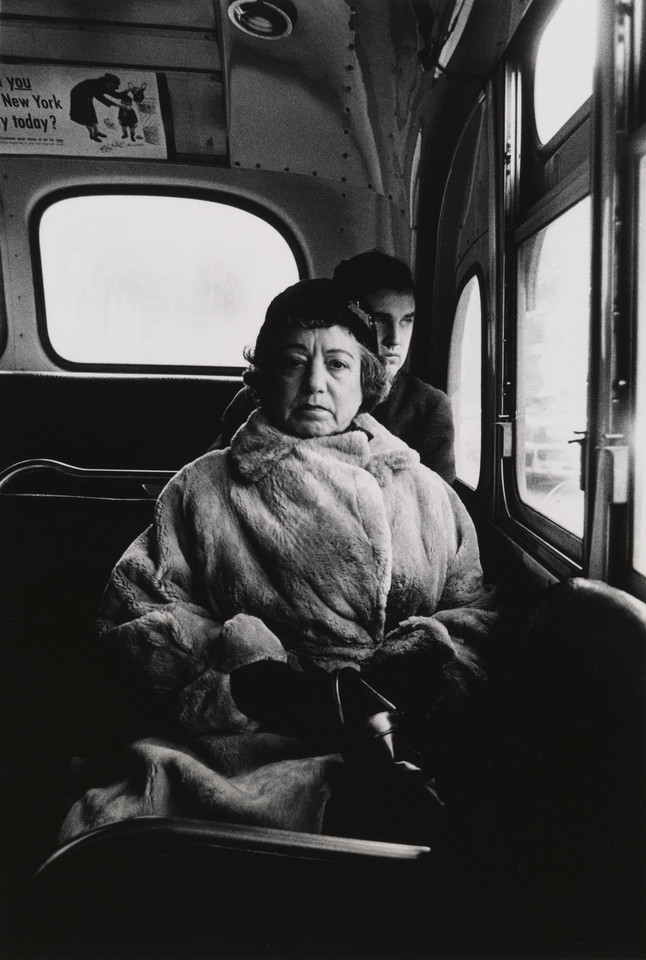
(464, 382)
(564, 66)
(157, 280)
(639, 508)
(553, 321)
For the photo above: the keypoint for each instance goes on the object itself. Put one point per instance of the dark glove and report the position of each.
(288, 701)
(386, 793)
(420, 666)
(376, 733)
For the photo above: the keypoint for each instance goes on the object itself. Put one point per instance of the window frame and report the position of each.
(635, 581)
(213, 196)
(566, 541)
(526, 212)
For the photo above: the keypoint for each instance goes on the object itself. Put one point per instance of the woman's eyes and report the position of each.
(292, 362)
(295, 363)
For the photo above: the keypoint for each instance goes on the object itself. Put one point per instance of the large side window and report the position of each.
(552, 364)
(548, 216)
(149, 280)
(464, 382)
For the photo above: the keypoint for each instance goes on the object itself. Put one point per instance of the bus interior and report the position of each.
(498, 147)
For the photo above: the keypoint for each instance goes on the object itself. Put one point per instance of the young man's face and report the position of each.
(394, 315)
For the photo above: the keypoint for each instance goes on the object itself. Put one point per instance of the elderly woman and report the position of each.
(413, 410)
(316, 542)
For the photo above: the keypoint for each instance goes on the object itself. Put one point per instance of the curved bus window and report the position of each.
(157, 280)
(552, 362)
(464, 382)
(564, 65)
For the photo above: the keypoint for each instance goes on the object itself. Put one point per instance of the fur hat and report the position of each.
(314, 304)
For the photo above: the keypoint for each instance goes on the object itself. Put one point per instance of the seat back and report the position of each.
(59, 698)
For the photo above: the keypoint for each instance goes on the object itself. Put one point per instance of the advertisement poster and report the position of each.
(80, 111)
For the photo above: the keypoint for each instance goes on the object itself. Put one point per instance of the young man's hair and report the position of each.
(373, 270)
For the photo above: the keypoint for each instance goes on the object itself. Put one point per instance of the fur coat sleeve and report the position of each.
(154, 610)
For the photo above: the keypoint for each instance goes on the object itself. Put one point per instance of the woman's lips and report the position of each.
(312, 408)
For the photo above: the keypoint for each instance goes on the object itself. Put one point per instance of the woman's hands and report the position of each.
(287, 701)
(420, 665)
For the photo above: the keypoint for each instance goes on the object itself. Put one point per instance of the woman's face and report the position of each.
(316, 389)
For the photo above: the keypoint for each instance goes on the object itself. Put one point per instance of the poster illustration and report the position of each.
(80, 111)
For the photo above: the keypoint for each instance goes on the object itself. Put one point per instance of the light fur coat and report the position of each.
(282, 548)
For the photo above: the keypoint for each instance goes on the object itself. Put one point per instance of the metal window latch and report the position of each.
(581, 437)
(505, 432)
(616, 468)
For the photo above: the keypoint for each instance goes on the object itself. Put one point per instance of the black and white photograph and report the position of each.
(323, 480)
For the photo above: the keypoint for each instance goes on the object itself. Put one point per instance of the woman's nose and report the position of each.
(314, 381)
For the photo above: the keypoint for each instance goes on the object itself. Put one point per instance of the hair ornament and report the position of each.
(359, 312)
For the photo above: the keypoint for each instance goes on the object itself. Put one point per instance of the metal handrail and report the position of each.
(82, 473)
(237, 836)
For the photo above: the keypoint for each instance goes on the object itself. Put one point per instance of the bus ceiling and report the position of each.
(258, 85)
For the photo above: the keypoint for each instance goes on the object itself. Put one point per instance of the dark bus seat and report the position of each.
(561, 809)
(160, 888)
(111, 421)
(58, 699)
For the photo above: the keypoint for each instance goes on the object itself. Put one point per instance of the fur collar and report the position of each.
(258, 447)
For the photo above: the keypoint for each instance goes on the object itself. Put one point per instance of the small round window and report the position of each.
(464, 382)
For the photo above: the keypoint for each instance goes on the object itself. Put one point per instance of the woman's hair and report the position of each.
(371, 271)
(313, 305)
